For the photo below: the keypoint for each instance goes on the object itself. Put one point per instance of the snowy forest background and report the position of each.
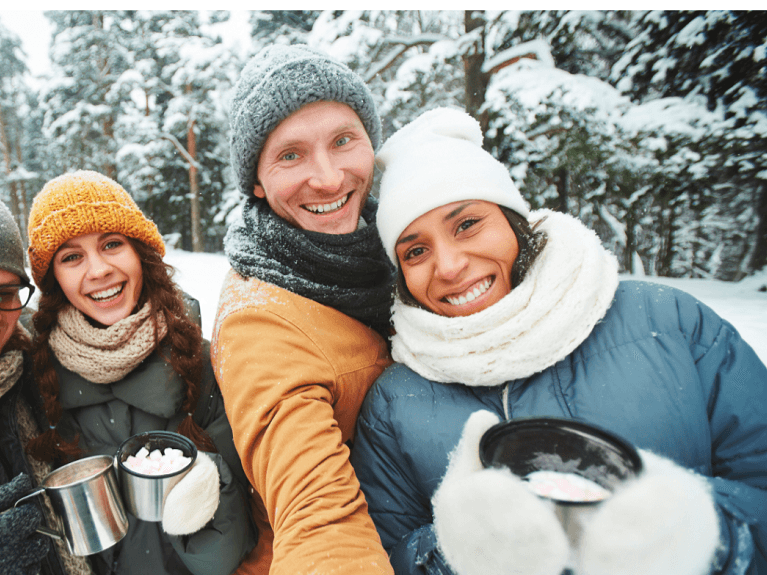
(648, 125)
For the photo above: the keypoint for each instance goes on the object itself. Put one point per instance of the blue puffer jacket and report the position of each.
(661, 369)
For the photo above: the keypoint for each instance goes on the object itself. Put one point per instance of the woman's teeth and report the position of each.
(470, 295)
(323, 208)
(107, 294)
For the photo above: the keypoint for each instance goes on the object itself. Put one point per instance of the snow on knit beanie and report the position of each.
(80, 203)
(435, 160)
(11, 251)
(278, 81)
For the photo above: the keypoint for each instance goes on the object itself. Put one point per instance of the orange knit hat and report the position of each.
(80, 203)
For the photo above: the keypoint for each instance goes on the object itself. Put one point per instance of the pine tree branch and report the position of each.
(181, 150)
(403, 45)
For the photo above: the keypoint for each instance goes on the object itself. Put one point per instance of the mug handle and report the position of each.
(40, 528)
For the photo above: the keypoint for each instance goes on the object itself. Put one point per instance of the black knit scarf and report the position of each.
(348, 272)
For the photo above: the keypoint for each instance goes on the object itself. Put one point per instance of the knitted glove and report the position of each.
(662, 523)
(21, 549)
(488, 522)
(191, 503)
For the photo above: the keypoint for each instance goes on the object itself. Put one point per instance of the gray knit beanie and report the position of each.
(278, 81)
(11, 252)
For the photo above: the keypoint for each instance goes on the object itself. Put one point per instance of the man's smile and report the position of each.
(325, 208)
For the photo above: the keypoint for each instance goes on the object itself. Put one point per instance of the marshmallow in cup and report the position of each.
(156, 462)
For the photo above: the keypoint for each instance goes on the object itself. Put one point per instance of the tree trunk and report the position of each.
(628, 249)
(14, 207)
(563, 189)
(22, 199)
(666, 253)
(476, 79)
(759, 259)
(193, 190)
(190, 156)
(110, 170)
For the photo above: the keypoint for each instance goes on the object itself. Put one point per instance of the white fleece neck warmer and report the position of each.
(566, 292)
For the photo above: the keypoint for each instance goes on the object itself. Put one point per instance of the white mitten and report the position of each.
(662, 523)
(191, 503)
(488, 522)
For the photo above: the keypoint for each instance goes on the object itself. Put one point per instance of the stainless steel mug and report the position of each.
(144, 495)
(87, 504)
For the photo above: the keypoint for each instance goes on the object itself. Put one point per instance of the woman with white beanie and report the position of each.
(502, 313)
(118, 351)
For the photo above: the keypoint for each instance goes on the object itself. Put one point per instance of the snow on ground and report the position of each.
(742, 304)
(201, 276)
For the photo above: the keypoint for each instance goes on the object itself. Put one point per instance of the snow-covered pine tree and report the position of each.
(87, 57)
(582, 41)
(12, 95)
(280, 27)
(410, 58)
(720, 57)
(173, 127)
(559, 149)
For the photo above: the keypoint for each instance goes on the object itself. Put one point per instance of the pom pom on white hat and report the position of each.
(435, 160)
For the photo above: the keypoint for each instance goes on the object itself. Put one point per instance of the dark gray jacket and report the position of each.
(13, 461)
(150, 398)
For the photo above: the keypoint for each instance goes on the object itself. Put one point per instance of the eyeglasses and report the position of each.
(15, 297)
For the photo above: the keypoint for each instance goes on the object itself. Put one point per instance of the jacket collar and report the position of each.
(153, 387)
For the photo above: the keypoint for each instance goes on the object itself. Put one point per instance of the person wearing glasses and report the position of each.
(118, 351)
(22, 550)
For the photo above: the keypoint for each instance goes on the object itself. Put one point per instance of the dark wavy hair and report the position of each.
(183, 340)
(19, 340)
(531, 242)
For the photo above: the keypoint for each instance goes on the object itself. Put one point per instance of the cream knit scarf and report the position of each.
(105, 355)
(566, 292)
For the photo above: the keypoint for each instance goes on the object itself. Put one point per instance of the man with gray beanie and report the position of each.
(301, 329)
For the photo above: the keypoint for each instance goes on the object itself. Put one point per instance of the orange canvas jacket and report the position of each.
(293, 374)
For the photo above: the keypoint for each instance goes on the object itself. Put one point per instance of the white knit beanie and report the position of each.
(435, 160)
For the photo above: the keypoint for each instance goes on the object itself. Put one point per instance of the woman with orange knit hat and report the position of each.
(118, 351)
